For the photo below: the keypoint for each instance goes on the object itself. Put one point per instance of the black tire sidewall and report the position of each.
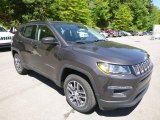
(90, 99)
(23, 70)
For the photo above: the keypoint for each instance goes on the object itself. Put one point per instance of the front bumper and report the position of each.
(5, 45)
(118, 92)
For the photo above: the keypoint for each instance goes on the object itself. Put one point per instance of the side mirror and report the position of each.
(49, 40)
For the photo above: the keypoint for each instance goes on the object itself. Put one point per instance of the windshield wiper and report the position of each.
(98, 40)
(89, 41)
(81, 41)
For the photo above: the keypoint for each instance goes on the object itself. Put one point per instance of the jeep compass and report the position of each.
(91, 70)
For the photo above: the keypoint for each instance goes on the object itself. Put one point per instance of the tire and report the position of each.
(18, 65)
(81, 99)
(111, 35)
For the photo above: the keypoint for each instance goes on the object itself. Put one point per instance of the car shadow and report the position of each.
(46, 81)
(107, 113)
(5, 49)
(116, 112)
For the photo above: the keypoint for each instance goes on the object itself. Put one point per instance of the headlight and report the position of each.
(114, 69)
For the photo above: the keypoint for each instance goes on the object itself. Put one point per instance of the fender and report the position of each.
(81, 70)
(18, 51)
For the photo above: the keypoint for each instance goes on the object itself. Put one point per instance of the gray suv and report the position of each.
(91, 70)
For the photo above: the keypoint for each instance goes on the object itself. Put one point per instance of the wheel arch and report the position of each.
(69, 69)
(14, 51)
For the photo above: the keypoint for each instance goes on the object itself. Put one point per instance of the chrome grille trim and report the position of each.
(6, 38)
(143, 67)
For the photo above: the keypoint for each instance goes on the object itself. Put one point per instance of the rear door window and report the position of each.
(29, 31)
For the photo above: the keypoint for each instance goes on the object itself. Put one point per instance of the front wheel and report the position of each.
(79, 94)
(18, 65)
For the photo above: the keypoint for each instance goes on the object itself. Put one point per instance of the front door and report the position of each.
(45, 55)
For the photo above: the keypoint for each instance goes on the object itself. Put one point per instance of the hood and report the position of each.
(113, 52)
(6, 34)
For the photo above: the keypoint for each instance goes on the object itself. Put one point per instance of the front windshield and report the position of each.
(76, 33)
(2, 29)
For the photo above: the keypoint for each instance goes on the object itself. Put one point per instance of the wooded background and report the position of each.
(119, 14)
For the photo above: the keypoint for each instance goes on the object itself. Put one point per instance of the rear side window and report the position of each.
(22, 30)
(29, 31)
(42, 32)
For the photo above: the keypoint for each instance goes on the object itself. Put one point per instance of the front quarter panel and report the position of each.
(82, 63)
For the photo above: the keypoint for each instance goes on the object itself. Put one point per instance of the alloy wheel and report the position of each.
(76, 93)
(18, 63)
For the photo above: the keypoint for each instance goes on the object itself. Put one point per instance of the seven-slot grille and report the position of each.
(6, 38)
(142, 67)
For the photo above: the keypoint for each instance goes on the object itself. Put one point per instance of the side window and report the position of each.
(43, 31)
(29, 31)
(22, 30)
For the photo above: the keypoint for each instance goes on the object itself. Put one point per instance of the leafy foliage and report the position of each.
(154, 17)
(71, 10)
(101, 12)
(123, 18)
(118, 14)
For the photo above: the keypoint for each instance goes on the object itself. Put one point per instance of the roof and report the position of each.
(50, 22)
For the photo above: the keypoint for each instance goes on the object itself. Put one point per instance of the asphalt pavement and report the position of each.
(34, 97)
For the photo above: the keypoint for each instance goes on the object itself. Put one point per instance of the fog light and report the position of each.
(120, 87)
(119, 91)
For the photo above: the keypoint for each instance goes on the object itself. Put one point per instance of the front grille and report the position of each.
(6, 38)
(142, 67)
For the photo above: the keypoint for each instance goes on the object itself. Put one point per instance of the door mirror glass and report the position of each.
(49, 40)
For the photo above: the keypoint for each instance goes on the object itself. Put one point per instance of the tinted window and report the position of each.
(2, 29)
(42, 32)
(76, 32)
(29, 31)
(22, 30)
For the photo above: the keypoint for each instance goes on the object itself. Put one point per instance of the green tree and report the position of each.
(36, 10)
(154, 17)
(123, 18)
(5, 12)
(72, 11)
(101, 13)
(141, 15)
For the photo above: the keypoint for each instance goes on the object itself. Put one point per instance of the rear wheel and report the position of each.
(79, 94)
(18, 65)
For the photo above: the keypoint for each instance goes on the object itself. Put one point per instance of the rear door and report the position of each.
(25, 41)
